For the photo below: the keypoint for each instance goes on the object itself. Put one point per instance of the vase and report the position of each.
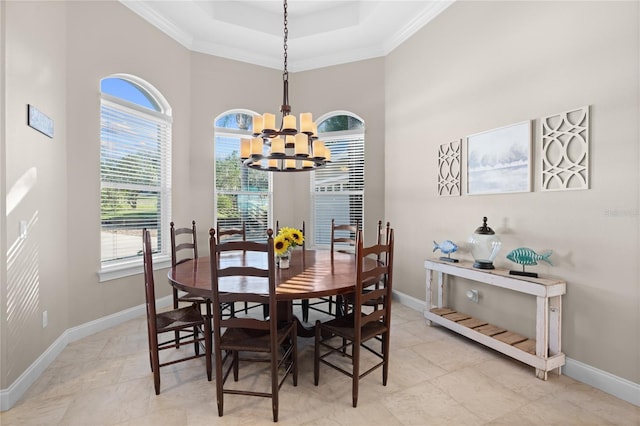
(283, 262)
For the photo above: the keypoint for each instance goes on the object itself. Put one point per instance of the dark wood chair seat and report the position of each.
(188, 316)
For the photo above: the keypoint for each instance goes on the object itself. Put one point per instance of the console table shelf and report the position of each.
(543, 353)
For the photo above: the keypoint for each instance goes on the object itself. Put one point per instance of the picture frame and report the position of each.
(39, 121)
(499, 160)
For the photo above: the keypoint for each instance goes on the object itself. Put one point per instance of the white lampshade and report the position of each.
(257, 124)
(301, 144)
(277, 145)
(318, 149)
(269, 121)
(289, 122)
(306, 121)
(256, 146)
(245, 148)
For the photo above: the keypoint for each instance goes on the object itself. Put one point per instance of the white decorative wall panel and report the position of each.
(449, 169)
(565, 151)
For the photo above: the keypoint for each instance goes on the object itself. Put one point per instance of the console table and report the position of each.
(543, 353)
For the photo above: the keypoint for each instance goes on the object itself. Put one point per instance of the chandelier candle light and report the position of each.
(286, 240)
(286, 149)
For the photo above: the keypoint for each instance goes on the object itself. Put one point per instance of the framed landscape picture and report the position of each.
(499, 160)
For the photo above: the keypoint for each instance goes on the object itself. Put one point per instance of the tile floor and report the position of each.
(436, 378)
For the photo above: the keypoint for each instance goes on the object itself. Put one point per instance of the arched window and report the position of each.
(338, 189)
(242, 194)
(135, 171)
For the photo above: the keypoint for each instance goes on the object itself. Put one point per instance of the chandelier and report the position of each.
(286, 149)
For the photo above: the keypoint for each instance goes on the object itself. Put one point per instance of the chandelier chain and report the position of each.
(285, 75)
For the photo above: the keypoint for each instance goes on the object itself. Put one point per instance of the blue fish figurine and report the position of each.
(446, 247)
(526, 256)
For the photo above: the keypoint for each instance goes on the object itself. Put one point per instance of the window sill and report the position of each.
(135, 267)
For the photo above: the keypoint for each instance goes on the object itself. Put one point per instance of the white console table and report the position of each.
(543, 353)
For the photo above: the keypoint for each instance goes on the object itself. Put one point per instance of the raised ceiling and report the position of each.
(321, 33)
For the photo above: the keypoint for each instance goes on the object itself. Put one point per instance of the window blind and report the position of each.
(242, 194)
(338, 188)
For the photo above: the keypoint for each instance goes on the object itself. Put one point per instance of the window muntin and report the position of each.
(338, 188)
(242, 194)
(135, 178)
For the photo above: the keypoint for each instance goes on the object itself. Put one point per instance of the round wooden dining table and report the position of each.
(312, 273)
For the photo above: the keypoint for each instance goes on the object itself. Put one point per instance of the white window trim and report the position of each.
(111, 270)
(131, 267)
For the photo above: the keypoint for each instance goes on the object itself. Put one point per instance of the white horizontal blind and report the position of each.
(135, 165)
(242, 194)
(338, 188)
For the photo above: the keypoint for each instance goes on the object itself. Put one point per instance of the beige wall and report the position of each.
(458, 76)
(35, 169)
(3, 209)
(482, 65)
(57, 52)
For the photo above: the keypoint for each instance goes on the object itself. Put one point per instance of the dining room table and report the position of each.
(311, 274)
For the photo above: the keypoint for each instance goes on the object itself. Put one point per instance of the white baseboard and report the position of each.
(606, 382)
(614, 385)
(11, 395)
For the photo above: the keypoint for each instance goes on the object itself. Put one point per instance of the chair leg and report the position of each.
(294, 354)
(219, 381)
(207, 344)
(274, 384)
(356, 372)
(305, 310)
(155, 362)
(196, 346)
(316, 354)
(236, 367)
(385, 358)
(175, 306)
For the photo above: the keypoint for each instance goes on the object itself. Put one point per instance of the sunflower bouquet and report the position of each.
(286, 240)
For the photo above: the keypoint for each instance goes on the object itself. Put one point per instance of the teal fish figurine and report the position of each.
(526, 256)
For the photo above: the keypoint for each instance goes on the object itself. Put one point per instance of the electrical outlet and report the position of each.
(45, 319)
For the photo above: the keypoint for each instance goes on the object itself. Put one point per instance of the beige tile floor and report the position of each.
(436, 378)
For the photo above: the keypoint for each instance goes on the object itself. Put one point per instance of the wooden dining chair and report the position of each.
(382, 238)
(271, 340)
(343, 239)
(188, 319)
(357, 330)
(233, 234)
(184, 247)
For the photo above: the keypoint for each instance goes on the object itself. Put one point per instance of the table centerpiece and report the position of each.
(286, 240)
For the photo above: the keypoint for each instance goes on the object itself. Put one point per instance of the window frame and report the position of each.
(114, 269)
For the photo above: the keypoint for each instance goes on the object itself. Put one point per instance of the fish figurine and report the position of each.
(526, 256)
(446, 247)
